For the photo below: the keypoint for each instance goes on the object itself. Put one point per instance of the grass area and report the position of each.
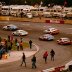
(25, 45)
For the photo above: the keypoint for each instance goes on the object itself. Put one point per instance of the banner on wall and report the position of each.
(55, 21)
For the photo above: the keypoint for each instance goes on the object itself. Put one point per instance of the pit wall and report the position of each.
(36, 19)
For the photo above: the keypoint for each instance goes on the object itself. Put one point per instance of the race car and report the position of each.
(10, 27)
(51, 31)
(46, 37)
(20, 33)
(64, 41)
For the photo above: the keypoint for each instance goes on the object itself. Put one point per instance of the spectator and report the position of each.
(0, 39)
(21, 14)
(9, 38)
(23, 59)
(9, 47)
(52, 53)
(6, 46)
(45, 56)
(2, 51)
(33, 61)
(30, 44)
(11, 44)
(16, 41)
(21, 45)
(17, 44)
(21, 39)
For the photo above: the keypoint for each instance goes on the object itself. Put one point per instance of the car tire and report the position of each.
(4, 29)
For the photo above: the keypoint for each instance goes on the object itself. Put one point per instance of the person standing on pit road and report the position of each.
(23, 60)
(16, 40)
(17, 44)
(33, 61)
(30, 44)
(45, 55)
(21, 45)
(52, 53)
(8, 38)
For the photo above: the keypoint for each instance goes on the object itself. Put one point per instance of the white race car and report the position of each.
(20, 33)
(51, 31)
(10, 27)
(46, 37)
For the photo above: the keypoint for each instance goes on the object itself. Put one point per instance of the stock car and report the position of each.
(46, 37)
(51, 31)
(20, 33)
(64, 41)
(10, 27)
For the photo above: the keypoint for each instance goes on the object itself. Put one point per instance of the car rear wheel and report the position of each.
(4, 29)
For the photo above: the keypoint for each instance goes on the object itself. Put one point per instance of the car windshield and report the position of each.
(46, 35)
(21, 31)
(53, 29)
(65, 39)
(11, 25)
(8, 26)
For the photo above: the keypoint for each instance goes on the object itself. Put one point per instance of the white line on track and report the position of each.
(36, 46)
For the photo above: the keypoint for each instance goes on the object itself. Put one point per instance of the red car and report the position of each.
(64, 41)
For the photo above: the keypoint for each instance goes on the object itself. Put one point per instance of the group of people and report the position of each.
(20, 44)
(52, 54)
(6, 45)
(33, 60)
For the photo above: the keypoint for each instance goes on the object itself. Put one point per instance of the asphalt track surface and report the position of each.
(63, 53)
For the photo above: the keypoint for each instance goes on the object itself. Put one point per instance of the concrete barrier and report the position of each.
(59, 68)
(9, 18)
(68, 21)
(37, 20)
